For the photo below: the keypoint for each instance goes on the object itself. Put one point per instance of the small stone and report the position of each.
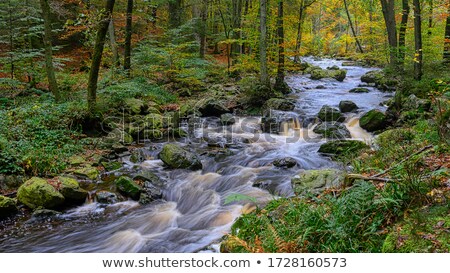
(287, 162)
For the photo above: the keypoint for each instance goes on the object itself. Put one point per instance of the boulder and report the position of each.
(359, 90)
(212, 107)
(138, 156)
(380, 80)
(311, 68)
(270, 125)
(134, 106)
(413, 103)
(334, 67)
(76, 160)
(332, 130)
(37, 192)
(338, 148)
(106, 197)
(177, 157)
(278, 104)
(118, 136)
(372, 76)
(315, 181)
(338, 74)
(152, 121)
(71, 190)
(374, 120)
(328, 113)
(287, 162)
(87, 172)
(346, 106)
(7, 206)
(227, 119)
(112, 165)
(128, 187)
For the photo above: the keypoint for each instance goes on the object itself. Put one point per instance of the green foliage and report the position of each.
(256, 94)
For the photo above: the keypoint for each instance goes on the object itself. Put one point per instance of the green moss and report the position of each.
(88, 172)
(316, 180)
(7, 206)
(112, 166)
(343, 148)
(176, 157)
(71, 190)
(373, 120)
(37, 192)
(128, 187)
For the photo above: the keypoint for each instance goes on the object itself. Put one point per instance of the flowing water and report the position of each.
(198, 206)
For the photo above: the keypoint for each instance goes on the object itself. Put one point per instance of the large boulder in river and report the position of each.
(278, 104)
(338, 74)
(177, 157)
(37, 192)
(328, 113)
(287, 162)
(128, 187)
(315, 181)
(334, 130)
(212, 107)
(71, 190)
(7, 206)
(227, 119)
(346, 106)
(359, 90)
(339, 148)
(380, 80)
(374, 120)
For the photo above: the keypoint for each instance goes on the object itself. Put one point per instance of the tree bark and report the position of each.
(97, 55)
(128, 35)
(352, 28)
(388, 9)
(175, 13)
(236, 24)
(418, 56)
(53, 85)
(447, 37)
(298, 41)
(202, 28)
(280, 84)
(113, 42)
(264, 73)
(402, 32)
(430, 17)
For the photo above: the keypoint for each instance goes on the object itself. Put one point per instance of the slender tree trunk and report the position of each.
(388, 9)
(418, 56)
(97, 55)
(264, 73)
(447, 37)
(298, 41)
(402, 32)
(246, 8)
(203, 27)
(53, 85)
(11, 39)
(175, 13)
(280, 84)
(113, 42)
(236, 23)
(430, 17)
(128, 35)
(371, 22)
(352, 28)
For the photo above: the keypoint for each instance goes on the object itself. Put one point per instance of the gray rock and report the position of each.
(346, 106)
(333, 130)
(287, 162)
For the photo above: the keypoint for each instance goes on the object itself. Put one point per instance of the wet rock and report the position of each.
(311, 68)
(71, 190)
(349, 63)
(76, 160)
(359, 90)
(380, 80)
(177, 157)
(212, 108)
(315, 181)
(328, 113)
(134, 106)
(128, 187)
(41, 215)
(338, 148)
(334, 67)
(148, 176)
(321, 87)
(112, 165)
(138, 156)
(374, 120)
(8, 206)
(117, 136)
(152, 121)
(106, 197)
(346, 106)
(413, 103)
(270, 125)
(338, 75)
(97, 160)
(37, 192)
(287, 162)
(278, 104)
(227, 119)
(87, 172)
(333, 130)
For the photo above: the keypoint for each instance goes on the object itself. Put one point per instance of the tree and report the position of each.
(128, 35)
(47, 38)
(98, 52)
(301, 18)
(280, 84)
(264, 73)
(236, 25)
(447, 37)
(418, 56)
(113, 43)
(388, 9)
(352, 28)
(175, 13)
(402, 32)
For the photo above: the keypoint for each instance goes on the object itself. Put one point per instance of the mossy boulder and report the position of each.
(315, 181)
(88, 172)
(76, 160)
(311, 68)
(413, 103)
(347, 106)
(128, 187)
(212, 107)
(334, 130)
(328, 113)
(177, 157)
(152, 121)
(372, 76)
(359, 90)
(374, 120)
(8, 206)
(278, 104)
(286, 163)
(118, 136)
(380, 80)
(37, 192)
(112, 165)
(106, 197)
(71, 190)
(134, 106)
(227, 119)
(342, 147)
(337, 74)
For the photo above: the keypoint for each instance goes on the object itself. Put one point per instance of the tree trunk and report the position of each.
(202, 28)
(418, 56)
(447, 37)
(175, 13)
(11, 39)
(402, 32)
(264, 73)
(388, 9)
(430, 17)
(371, 21)
(298, 41)
(280, 85)
(352, 28)
(97, 55)
(236, 20)
(113, 42)
(53, 85)
(128, 35)
(246, 8)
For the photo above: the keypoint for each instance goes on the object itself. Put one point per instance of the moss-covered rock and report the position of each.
(374, 120)
(227, 119)
(287, 162)
(71, 190)
(88, 172)
(118, 136)
(328, 113)
(152, 121)
(76, 160)
(337, 74)
(380, 80)
(342, 147)
(134, 106)
(112, 165)
(347, 106)
(413, 103)
(7, 206)
(176, 157)
(212, 107)
(128, 187)
(359, 90)
(278, 104)
(106, 197)
(315, 181)
(332, 130)
(37, 192)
